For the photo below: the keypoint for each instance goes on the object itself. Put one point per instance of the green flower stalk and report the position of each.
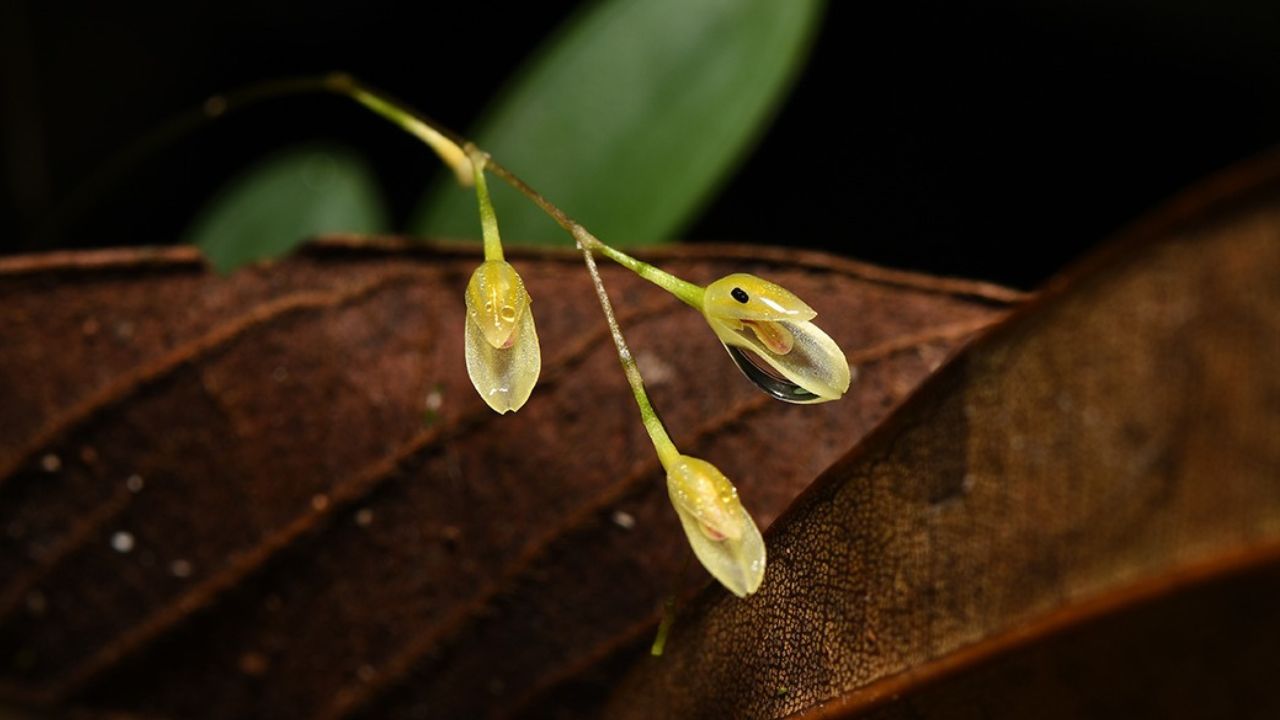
(445, 148)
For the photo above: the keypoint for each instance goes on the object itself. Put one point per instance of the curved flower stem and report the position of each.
(447, 148)
(664, 626)
(469, 163)
(479, 161)
(688, 292)
(667, 452)
(488, 219)
(114, 172)
(455, 151)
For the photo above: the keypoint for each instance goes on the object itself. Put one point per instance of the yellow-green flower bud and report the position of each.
(502, 353)
(723, 536)
(802, 364)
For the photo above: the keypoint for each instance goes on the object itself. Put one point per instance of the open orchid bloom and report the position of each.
(768, 333)
(723, 536)
(503, 358)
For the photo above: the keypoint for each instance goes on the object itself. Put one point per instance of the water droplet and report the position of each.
(766, 378)
(319, 502)
(180, 568)
(122, 542)
(435, 399)
(623, 519)
(134, 483)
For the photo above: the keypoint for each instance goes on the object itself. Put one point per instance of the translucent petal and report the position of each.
(722, 534)
(496, 301)
(504, 376)
(813, 370)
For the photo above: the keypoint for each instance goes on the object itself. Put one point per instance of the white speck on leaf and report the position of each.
(122, 541)
(51, 463)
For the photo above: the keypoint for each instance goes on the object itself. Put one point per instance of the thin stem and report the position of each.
(448, 146)
(114, 173)
(488, 219)
(667, 452)
(452, 151)
(688, 292)
(664, 626)
(449, 150)
(480, 162)
(510, 178)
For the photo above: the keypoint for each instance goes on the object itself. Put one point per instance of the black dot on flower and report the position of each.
(740, 295)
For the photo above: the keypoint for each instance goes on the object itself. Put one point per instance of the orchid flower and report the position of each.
(770, 337)
(502, 352)
(723, 536)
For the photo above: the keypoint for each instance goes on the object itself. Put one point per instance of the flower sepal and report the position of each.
(722, 534)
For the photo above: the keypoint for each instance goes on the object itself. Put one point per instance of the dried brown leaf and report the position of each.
(1115, 441)
(276, 494)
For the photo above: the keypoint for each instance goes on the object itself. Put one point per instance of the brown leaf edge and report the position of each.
(178, 258)
(688, 683)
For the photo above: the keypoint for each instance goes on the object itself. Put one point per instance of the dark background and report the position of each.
(993, 139)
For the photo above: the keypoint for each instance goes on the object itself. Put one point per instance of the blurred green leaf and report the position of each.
(632, 115)
(284, 199)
